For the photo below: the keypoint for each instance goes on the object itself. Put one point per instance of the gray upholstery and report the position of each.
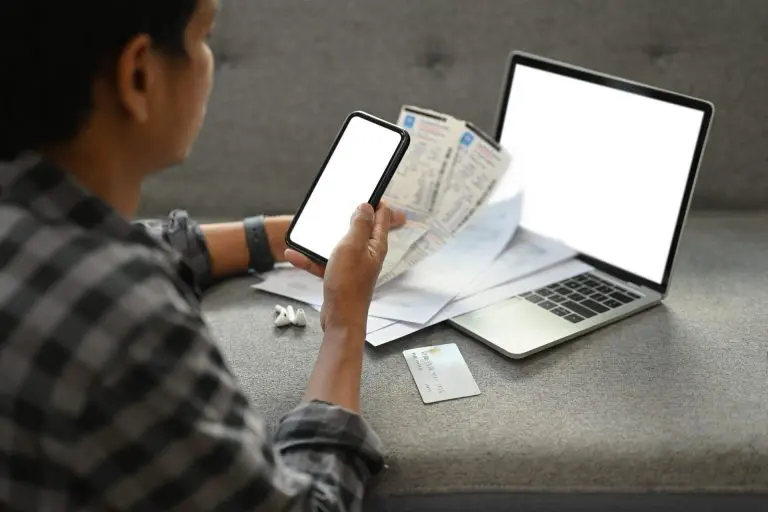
(290, 70)
(673, 399)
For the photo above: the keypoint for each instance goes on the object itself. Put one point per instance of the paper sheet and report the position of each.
(428, 287)
(478, 301)
(425, 289)
(526, 254)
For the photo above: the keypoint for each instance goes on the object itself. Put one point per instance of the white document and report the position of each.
(526, 254)
(478, 301)
(440, 373)
(421, 292)
(428, 287)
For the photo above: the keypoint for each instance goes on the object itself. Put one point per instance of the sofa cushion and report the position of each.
(673, 399)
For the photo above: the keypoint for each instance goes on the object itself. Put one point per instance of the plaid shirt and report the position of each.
(113, 394)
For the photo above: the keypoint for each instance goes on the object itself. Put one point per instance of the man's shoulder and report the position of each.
(68, 257)
(71, 299)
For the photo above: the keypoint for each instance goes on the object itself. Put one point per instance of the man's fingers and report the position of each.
(300, 261)
(397, 219)
(361, 224)
(380, 233)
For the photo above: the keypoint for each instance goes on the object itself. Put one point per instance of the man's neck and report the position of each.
(105, 177)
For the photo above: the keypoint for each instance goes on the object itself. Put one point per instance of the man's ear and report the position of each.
(136, 72)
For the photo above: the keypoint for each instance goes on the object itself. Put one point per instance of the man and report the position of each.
(113, 395)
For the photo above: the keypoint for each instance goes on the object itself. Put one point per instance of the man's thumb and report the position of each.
(361, 225)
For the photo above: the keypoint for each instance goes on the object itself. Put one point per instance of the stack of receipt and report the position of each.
(461, 249)
(447, 175)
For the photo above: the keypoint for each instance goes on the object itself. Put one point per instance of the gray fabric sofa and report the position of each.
(666, 410)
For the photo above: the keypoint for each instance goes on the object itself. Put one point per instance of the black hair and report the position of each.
(52, 50)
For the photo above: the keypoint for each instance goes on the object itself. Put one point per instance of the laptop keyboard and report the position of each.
(580, 297)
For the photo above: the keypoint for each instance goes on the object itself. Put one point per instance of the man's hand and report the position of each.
(277, 227)
(352, 269)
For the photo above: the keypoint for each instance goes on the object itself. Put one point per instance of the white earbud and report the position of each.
(288, 316)
(291, 314)
(301, 318)
(282, 319)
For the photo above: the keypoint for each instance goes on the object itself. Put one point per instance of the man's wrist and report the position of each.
(260, 258)
(345, 334)
(346, 322)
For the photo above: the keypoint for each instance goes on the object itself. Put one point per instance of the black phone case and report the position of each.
(378, 192)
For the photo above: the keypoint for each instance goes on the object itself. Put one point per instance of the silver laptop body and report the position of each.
(612, 177)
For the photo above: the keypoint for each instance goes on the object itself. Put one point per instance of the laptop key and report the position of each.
(557, 298)
(561, 312)
(534, 298)
(612, 303)
(585, 290)
(544, 292)
(591, 283)
(582, 277)
(604, 289)
(547, 304)
(599, 297)
(562, 291)
(573, 318)
(572, 285)
(594, 306)
(576, 296)
(578, 308)
(621, 297)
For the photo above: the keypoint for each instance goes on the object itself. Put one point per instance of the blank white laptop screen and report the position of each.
(603, 170)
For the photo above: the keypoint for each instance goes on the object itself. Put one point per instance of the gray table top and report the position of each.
(675, 398)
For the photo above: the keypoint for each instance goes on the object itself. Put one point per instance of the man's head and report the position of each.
(135, 74)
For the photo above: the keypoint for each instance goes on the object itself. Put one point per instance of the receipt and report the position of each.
(478, 166)
(434, 137)
(463, 184)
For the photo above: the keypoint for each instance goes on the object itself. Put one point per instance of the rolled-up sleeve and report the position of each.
(185, 236)
(336, 448)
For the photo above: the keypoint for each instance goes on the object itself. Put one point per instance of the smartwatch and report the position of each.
(260, 255)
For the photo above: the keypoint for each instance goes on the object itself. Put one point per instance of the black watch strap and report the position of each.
(261, 258)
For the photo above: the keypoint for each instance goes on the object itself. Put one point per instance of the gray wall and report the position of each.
(289, 71)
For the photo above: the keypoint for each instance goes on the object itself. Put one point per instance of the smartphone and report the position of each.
(361, 163)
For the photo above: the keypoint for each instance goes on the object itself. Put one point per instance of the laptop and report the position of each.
(606, 166)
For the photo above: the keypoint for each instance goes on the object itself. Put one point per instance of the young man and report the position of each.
(113, 395)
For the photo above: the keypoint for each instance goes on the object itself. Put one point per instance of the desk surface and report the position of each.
(675, 398)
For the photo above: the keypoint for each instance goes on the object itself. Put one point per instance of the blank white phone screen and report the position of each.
(355, 168)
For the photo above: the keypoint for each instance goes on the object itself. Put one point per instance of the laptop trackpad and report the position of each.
(516, 326)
